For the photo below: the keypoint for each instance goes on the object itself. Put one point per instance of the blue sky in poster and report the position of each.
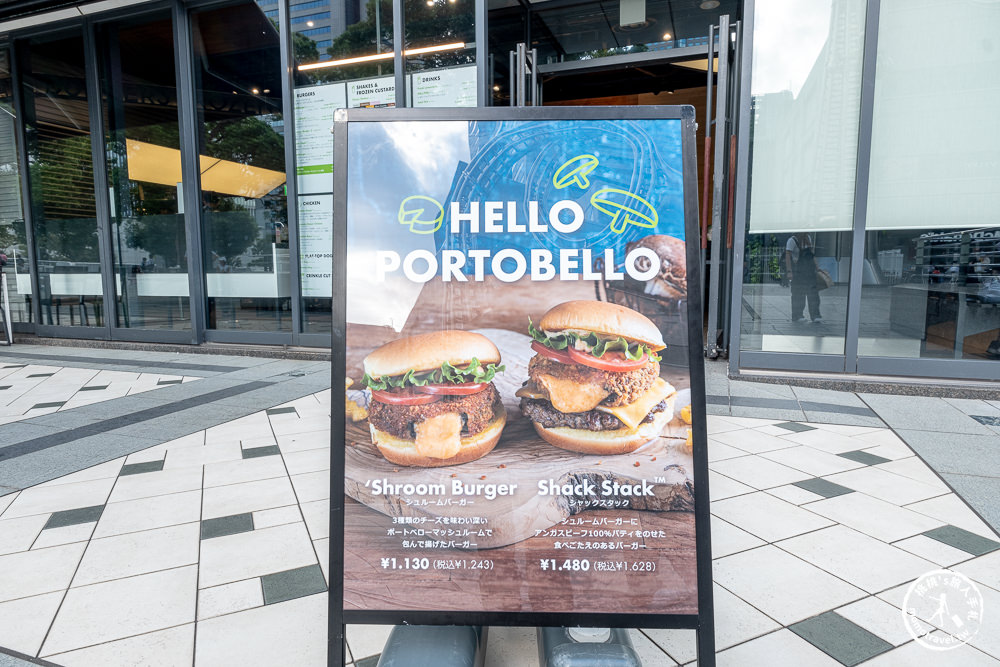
(626, 176)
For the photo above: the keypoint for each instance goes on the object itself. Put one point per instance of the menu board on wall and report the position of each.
(454, 87)
(538, 452)
(316, 245)
(314, 107)
(371, 93)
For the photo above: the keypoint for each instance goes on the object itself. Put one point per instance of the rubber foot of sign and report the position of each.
(438, 645)
(558, 648)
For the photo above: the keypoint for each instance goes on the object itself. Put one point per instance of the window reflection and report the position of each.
(804, 136)
(13, 240)
(244, 209)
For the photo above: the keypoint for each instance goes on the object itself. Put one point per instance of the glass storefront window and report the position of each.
(805, 120)
(442, 72)
(932, 255)
(241, 150)
(64, 218)
(142, 145)
(349, 65)
(13, 241)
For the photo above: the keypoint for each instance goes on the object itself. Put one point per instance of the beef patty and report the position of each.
(477, 412)
(625, 386)
(542, 412)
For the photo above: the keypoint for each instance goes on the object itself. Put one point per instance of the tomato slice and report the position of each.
(449, 389)
(555, 355)
(611, 361)
(404, 397)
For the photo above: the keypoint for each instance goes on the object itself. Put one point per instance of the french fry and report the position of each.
(686, 414)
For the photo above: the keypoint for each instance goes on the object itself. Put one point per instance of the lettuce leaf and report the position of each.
(598, 346)
(447, 373)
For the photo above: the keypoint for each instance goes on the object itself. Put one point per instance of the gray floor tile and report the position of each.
(837, 408)
(770, 413)
(764, 402)
(795, 427)
(979, 492)
(845, 419)
(74, 516)
(281, 411)
(823, 487)
(956, 452)
(291, 584)
(864, 457)
(841, 639)
(138, 468)
(257, 452)
(923, 413)
(226, 525)
(370, 661)
(962, 539)
(987, 420)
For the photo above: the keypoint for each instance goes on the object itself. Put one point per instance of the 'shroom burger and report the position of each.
(433, 400)
(594, 384)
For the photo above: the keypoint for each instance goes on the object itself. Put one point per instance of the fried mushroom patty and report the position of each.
(624, 386)
(477, 412)
(542, 412)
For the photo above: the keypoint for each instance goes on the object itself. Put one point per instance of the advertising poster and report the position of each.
(316, 245)
(314, 107)
(371, 93)
(455, 87)
(518, 430)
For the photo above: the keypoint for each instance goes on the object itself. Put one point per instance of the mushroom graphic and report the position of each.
(624, 208)
(575, 171)
(423, 214)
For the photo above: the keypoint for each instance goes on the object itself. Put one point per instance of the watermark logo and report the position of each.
(943, 600)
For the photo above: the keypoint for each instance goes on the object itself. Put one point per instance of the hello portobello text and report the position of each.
(509, 265)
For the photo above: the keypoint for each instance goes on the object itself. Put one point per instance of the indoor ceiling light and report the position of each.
(709, 4)
(496, 87)
(667, 36)
(254, 91)
(310, 23)
(382, 56)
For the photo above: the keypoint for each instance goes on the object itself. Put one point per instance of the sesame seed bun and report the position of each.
(603, 318)
(428, 351)
(403, 451)
(603, 443)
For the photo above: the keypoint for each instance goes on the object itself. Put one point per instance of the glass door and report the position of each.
(64, 214)
(142, 149)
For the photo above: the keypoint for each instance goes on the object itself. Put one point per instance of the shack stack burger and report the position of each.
(594, 384)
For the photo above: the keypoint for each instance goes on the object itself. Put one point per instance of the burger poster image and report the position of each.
(520, 429)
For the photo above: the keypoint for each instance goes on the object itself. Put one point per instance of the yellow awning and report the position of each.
(157, 164)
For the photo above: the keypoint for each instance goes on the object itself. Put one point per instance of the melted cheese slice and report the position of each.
(439, 437)
(570, 396)
(632, 414)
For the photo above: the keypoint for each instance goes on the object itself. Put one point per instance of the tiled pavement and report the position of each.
(208, 548)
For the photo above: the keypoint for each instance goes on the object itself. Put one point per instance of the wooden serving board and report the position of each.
(522, 458)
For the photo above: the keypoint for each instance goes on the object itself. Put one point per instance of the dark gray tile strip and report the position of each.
(226, 525)
(823, 487)
(760, 402)
(16, 366)
(6, 386)
(841, 639)
(74, 516)
(139, 468)
(985, 420)
(125, 362)
(94, 388)
(54, 404)
(796, 427)
(859, 410)
(867, 458)
(291, 584)
(18, 659)
(953, 536)
(280, 411)
(41, 375)
(257, 452)
(101, 427)
(166, 382)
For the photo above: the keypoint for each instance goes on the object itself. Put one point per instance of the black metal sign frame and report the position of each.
(703, 621)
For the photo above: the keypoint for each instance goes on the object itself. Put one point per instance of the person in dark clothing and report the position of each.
(800, 267)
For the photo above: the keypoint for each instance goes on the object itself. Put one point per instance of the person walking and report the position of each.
(800, 267)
